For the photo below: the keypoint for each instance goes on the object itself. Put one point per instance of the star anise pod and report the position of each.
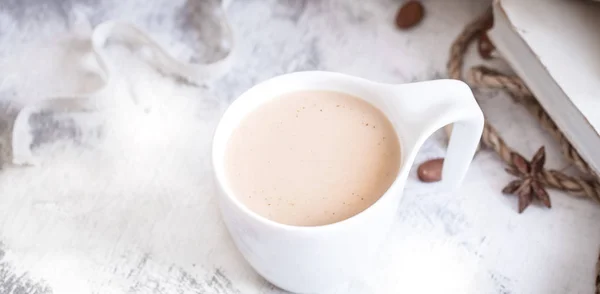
(528, 187)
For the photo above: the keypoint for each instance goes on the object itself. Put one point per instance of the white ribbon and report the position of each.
(123, 33)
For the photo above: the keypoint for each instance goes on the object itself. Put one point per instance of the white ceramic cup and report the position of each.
(320, 258)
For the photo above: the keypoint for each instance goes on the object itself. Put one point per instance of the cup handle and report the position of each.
(444, 102)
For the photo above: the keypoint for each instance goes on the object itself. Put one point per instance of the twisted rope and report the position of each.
(583, 187)
(480, 76)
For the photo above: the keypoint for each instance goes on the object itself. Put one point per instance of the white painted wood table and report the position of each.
(117, 214)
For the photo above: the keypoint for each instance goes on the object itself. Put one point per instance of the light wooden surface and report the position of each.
(142, 218)
(555, 51)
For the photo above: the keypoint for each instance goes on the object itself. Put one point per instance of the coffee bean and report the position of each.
(431, 170)
(485, 46)
(409, 15)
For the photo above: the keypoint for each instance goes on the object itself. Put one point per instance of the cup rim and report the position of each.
(227, 191)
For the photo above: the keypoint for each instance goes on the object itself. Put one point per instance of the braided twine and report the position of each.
(587, 186)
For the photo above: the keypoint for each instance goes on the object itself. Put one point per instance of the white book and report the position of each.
(554, 46)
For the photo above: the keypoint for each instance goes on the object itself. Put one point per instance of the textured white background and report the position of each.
(128, 207)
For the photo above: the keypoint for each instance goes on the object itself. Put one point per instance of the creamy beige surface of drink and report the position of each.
(312, 158)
